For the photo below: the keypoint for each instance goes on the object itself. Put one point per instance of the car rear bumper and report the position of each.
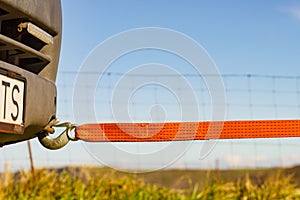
(39, 107)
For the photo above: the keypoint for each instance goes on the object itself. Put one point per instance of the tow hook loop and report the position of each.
(59, 141)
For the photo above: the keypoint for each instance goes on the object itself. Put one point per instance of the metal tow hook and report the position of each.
(60, 141)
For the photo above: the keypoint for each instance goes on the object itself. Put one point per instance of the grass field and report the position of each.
(103, 183)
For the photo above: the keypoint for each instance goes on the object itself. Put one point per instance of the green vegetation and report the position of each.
(91, 183)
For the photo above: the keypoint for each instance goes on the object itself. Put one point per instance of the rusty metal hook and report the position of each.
(61, 140)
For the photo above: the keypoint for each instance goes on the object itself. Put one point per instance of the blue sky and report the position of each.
(241, 37)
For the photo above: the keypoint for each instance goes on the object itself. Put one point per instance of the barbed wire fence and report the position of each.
(249, 96)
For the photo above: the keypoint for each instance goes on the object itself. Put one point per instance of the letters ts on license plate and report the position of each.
(12, 91)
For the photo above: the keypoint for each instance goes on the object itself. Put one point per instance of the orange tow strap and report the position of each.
(179, 131)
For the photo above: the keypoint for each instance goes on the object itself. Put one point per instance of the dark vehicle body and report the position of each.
(28, 67)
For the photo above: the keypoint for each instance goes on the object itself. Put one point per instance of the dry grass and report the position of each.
(89, 183)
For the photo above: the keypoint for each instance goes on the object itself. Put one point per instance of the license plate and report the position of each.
(12, 95)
